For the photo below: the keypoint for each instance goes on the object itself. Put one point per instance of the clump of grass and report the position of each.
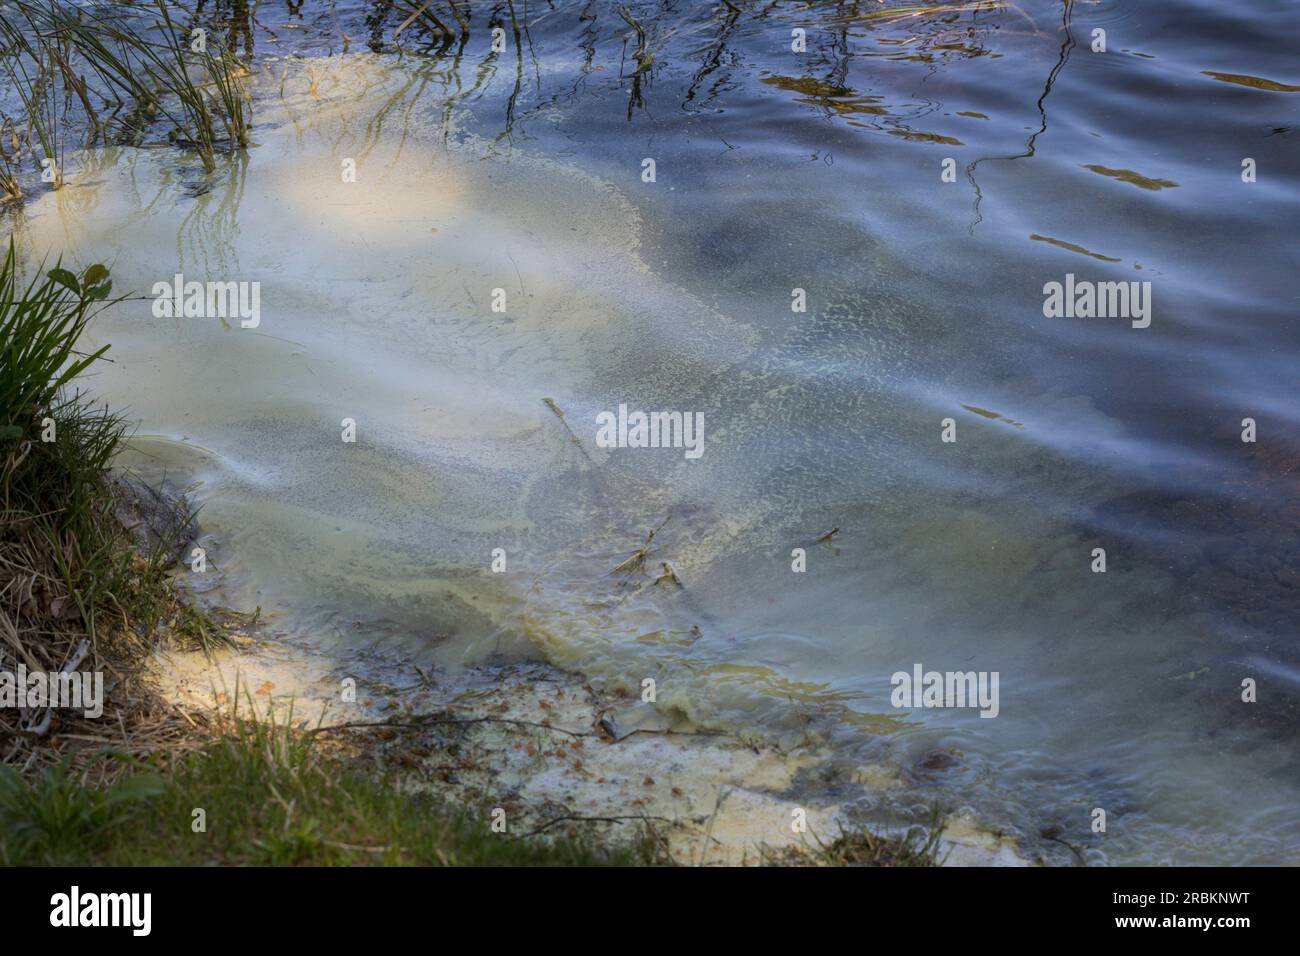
(54, 451)
(39, 327)
(138, 61)
(31, 65)
(55, 816)
(214, 98)
(231, 99)
(70, 572)
(10, 152)
(269, 796)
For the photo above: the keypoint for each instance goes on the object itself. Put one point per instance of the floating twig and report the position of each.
(559, 413)
(637, 561)
(577, 819)
(362, 724)
(669, 576)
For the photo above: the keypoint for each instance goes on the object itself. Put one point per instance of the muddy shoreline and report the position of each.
(540, 744)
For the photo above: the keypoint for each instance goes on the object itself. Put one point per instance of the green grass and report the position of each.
(70, 570)
(213, 99)
(10, 187)
(55, 449)
(39, 327)
(31, 64)
(269, 797)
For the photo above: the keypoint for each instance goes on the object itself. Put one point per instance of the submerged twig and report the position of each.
(362, 724)
(637, 561)
(559, 413)
(669, 576)
(578, 819)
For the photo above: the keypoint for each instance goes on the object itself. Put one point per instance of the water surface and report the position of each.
(822, 171)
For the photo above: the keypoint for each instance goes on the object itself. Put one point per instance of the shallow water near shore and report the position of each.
(1118, 690)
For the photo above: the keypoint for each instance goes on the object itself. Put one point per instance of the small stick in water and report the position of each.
(669, 576)
(637, 561)
(559, 413)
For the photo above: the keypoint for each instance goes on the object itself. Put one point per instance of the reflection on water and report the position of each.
(520, 169)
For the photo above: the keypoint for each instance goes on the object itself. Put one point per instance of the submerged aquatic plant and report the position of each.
(215, 97)
(9, 153)
(142, 64)
(636, 562)
(30, 65)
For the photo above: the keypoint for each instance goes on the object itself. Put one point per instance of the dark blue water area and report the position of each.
(823, 170)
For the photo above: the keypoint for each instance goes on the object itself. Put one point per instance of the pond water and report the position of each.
(823, 171)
